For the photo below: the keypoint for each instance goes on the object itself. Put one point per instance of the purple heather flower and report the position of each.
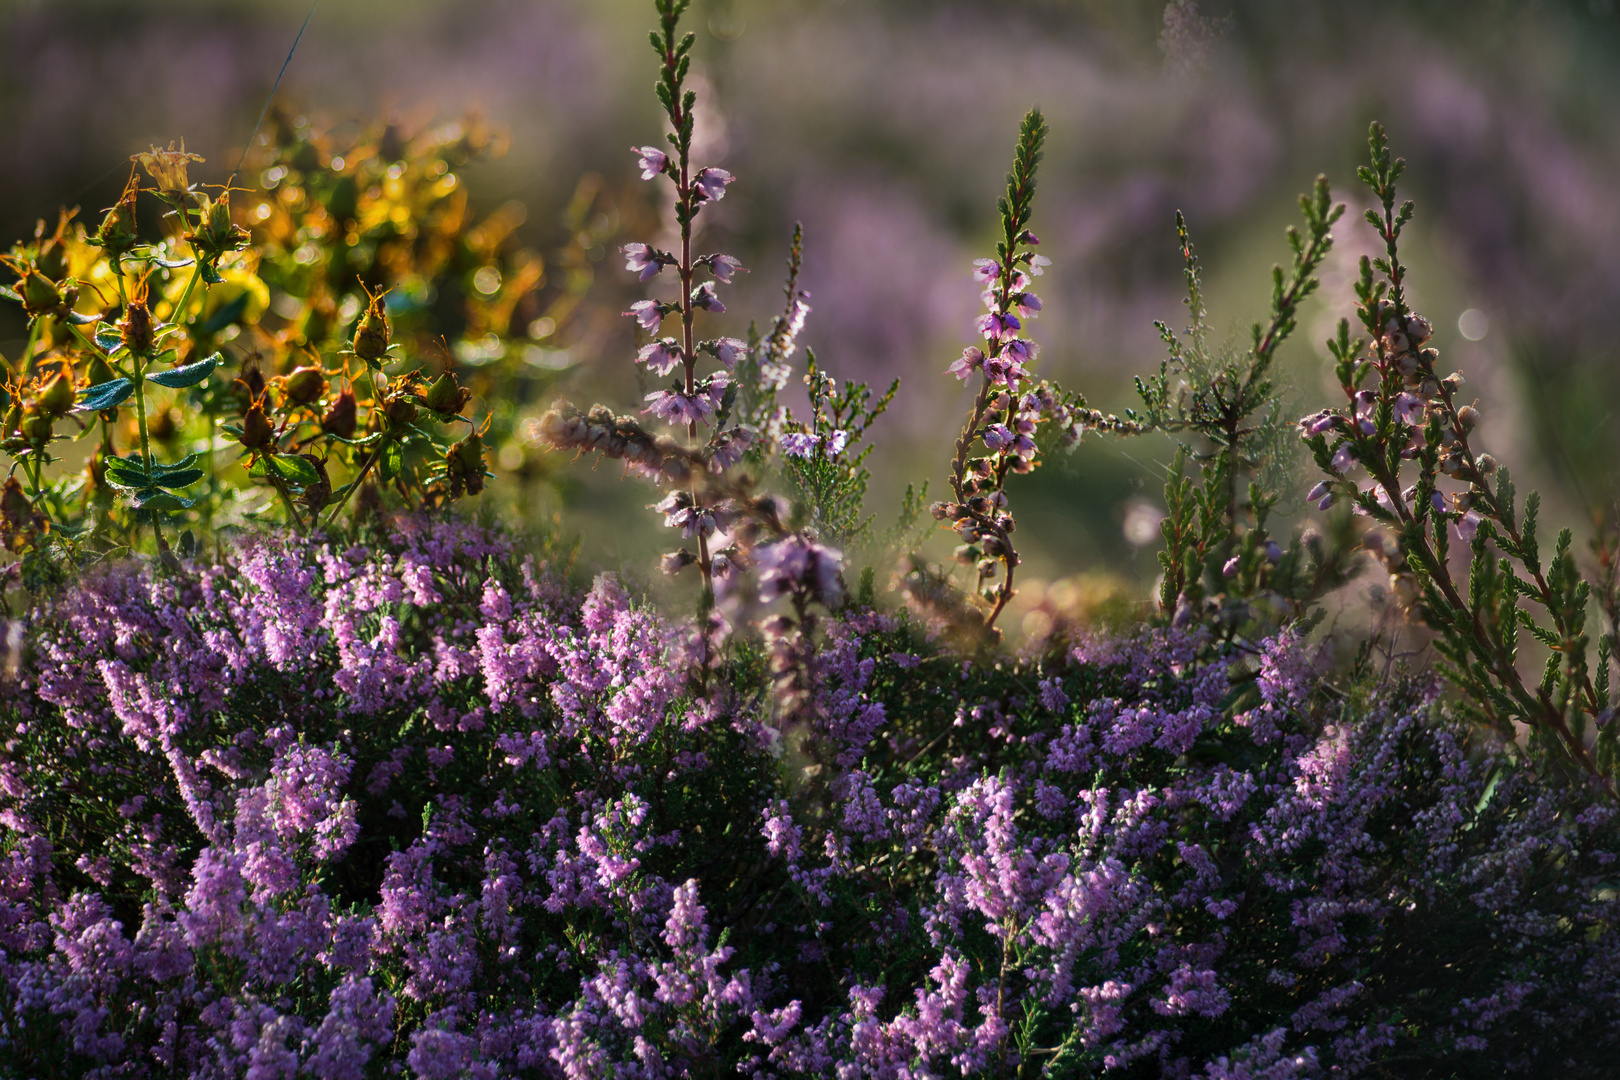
(1005, 369)
(705, 297)
(1325, 502)
(794, 564)
(674, 407)
(1343, 458)
(1028, 304)
(644, 260)
(1317, 423)
(648, 313)
(1038, 264)
(1438, 501)
(986, 270)
(729, 447)
(711, 183)
(836, 442)
(966, 364)
(1366, 403)
(724, 266)
(653, 160)
(661, 356)
(996, 326)
(1468, 525)
(729, 350)
(1021, 350)
(997, 437)
(799, 444)
(1410, 409)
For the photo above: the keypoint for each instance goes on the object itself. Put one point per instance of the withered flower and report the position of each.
(167, 168)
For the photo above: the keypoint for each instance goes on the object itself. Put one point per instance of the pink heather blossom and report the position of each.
(1410, 409)
(661, 356)
(1468, 526)
(1020, 350)
(653, 160)
(996, 326)
(795, 564)
(644, 260)
(1343, 458)
(966, 364)
(1038, 264)
(711, 183)
(706, 298)
(729, 447)
(799, 444)
(724, 266)
(729, 350)
(836, 441)
(674, 407)
(986, 270)
(1027, 303)
(998, 437)
(648, 313)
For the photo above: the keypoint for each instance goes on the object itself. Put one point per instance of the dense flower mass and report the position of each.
(422, 803)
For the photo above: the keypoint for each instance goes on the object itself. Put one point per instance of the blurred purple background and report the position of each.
(886, 126)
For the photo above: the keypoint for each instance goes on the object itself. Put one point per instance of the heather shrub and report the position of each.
(375, 790)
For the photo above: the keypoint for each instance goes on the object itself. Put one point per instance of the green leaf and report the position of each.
(185, 463)
(10, 293)
(171, 264)
(294, 469)
(104, 395)
(183, 478)
(109, 339)
(211, 276)
(190, 375)
(392, 461)
(162, 500)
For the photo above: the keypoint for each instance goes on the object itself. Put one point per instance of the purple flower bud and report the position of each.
(661, 357)
(1327, 501)
(1028, 304)
(711, 183)
(1231, 566)
(969, 362)
(724, 266)
(1318, 491)
(1273, 552)
(705, 297)
(653, 160)
(648, 313)
(1438, 501)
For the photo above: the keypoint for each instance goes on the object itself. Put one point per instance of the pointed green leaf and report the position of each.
(105, 395)
(185, 463)
(295, 469)
(162, 500)
(183, 478)
(190, 375)
(109, 339)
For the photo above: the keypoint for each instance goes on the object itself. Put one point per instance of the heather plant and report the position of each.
(393, 794)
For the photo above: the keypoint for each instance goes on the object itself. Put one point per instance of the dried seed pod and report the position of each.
(371, 337)
(1467, 418)
(257, 433)
(303, 385)
(136, 325)
(341, 415)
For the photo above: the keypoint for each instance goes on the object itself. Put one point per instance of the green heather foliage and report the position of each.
(306, 774)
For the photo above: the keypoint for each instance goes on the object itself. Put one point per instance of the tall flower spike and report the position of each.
(1008, 436)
